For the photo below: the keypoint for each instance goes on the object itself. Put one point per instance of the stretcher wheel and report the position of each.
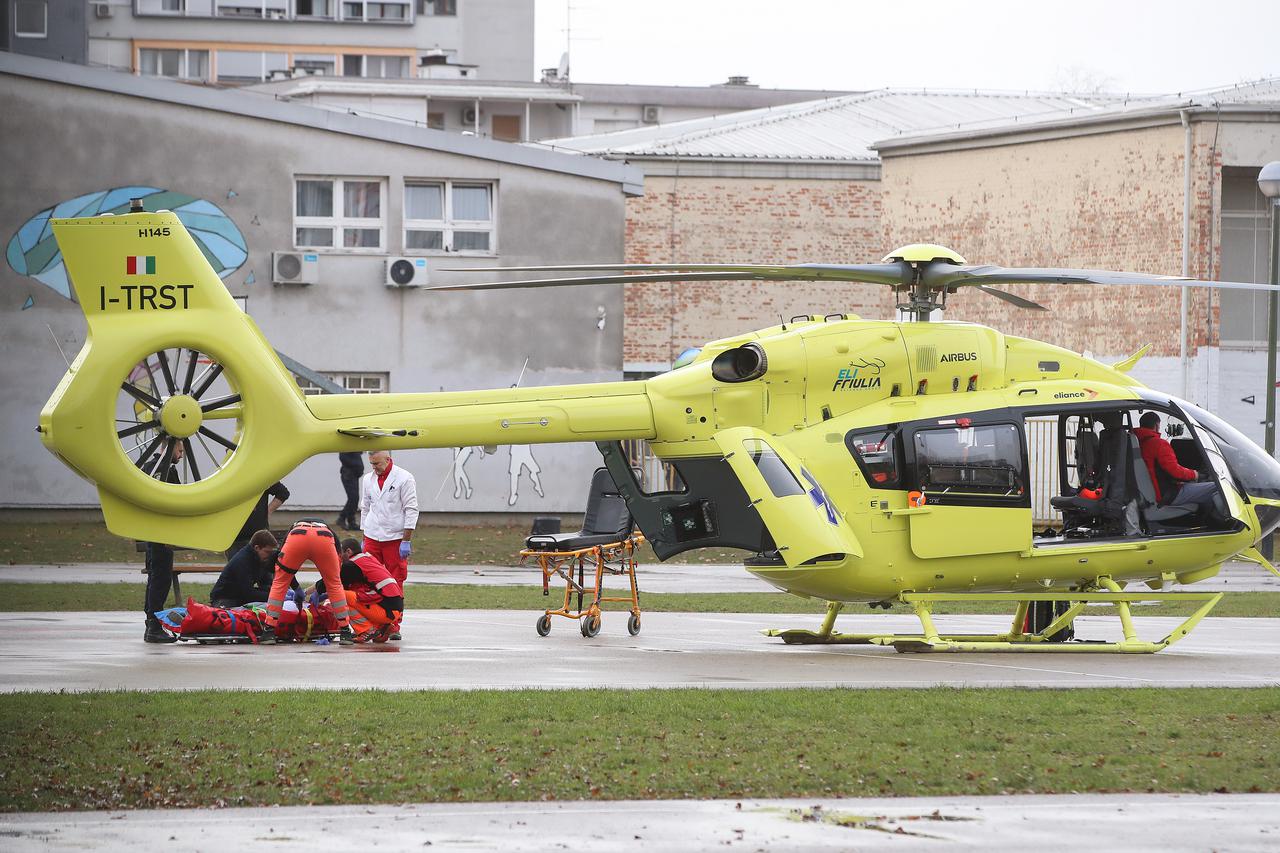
(544, 625)
(590, 626)
(633, 624)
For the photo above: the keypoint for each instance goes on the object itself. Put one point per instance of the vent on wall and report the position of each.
(926, 358)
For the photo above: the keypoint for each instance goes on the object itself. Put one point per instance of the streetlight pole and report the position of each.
(1269, 184)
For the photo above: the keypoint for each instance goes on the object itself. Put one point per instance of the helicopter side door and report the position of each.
(973, 480)
(804, 523)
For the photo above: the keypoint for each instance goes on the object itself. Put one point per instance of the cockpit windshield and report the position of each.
(1257, 472)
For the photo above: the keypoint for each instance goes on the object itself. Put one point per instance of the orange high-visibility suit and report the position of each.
(315, 542)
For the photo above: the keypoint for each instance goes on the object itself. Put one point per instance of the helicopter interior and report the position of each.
(1105, 489)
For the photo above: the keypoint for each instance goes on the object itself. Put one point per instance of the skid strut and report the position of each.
(1016, 639)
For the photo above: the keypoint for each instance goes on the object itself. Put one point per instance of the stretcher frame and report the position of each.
(614, 558)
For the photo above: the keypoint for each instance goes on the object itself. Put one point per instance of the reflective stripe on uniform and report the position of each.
(380, 584)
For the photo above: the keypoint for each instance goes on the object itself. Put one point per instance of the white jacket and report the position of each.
(387, 511)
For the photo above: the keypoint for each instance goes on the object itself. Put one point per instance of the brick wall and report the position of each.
(744, 220)
(1110, 200)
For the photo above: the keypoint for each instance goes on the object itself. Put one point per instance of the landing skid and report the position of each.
(1015, 639)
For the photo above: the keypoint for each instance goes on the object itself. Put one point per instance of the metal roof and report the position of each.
(261, 106)
(840, 129)
(1259, 95)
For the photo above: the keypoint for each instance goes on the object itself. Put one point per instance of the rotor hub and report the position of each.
(180, 416)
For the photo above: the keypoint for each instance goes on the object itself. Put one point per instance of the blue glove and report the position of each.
(405, 549)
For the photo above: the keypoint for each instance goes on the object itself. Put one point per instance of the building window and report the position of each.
(274, 9)
(315, 63)
(359, 65)
(175, 63)
(313, 9)
(356, 383)
(250, 66)
(376, 11)
(449, 216)
(31, 19)
(437, 7)
(344, 213)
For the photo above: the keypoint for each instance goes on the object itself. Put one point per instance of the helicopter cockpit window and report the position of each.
(982, 460)
(877, 453)
(1255, 470)
(775, 472)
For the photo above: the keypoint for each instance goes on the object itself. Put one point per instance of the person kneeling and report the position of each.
(374, 597)
(246, 579)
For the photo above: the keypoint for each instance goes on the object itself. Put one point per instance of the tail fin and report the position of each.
(171, 367)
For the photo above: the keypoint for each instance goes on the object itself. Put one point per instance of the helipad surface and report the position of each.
(498, 649)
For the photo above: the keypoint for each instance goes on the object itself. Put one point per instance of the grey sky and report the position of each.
(1129, 46)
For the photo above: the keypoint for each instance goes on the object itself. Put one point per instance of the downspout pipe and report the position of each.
(1186, 256)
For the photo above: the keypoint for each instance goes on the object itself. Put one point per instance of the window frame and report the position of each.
(44, 8)
(184, 63)
(911, 460)
(343, 377)
(894, 485)
(448, 225)
(339, 221)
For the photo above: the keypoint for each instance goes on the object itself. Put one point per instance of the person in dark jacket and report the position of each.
(350, 472)
(247, 577)
(1159, 456)
(160, 563)
(260, 518)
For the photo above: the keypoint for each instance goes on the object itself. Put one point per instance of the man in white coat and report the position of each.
(388, 513)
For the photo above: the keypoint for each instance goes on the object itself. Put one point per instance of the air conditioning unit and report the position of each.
(651, 114)
(406, 272)
(295, 267)
(102, 10)
(469, 115)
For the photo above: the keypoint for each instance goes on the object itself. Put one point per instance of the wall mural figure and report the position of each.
(522, 458)
(461, 482)
(32, 251)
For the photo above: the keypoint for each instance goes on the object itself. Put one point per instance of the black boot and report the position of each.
(155, 634)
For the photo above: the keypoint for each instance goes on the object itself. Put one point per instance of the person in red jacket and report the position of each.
(1159, 455)
(375, 598)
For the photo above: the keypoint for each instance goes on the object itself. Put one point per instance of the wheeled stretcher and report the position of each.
(606, 544)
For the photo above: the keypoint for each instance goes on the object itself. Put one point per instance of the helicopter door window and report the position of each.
(775, 472)
(970, 460)
(876, 451)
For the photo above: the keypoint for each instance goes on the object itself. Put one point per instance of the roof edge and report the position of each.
(261, 106)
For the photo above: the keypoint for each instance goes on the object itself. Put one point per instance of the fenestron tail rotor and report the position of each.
(178, 398)
(921, 275)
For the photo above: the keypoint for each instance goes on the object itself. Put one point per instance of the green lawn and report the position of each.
(125, 596)
(146, 750)
(490, 544)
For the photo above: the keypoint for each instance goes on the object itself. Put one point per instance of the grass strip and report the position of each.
(211, 748)
(32, 597)
(486, 544)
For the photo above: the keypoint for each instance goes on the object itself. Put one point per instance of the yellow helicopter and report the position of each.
(856, 460)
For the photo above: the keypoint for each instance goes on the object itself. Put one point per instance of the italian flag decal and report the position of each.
(140, 265)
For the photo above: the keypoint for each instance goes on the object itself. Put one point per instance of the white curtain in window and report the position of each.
(424, 202)
(471, 203)
(361, 200)
(315, 198)
(198, 64)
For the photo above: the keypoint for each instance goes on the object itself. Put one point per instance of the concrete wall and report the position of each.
(350, 321)
(745, 220)
(66, 38)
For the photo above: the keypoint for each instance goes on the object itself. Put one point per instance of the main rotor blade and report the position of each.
(896, 274)
(948, 276)
(1012, 298)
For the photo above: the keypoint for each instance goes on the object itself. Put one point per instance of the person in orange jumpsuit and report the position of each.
(314, 541)
(374, 596)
